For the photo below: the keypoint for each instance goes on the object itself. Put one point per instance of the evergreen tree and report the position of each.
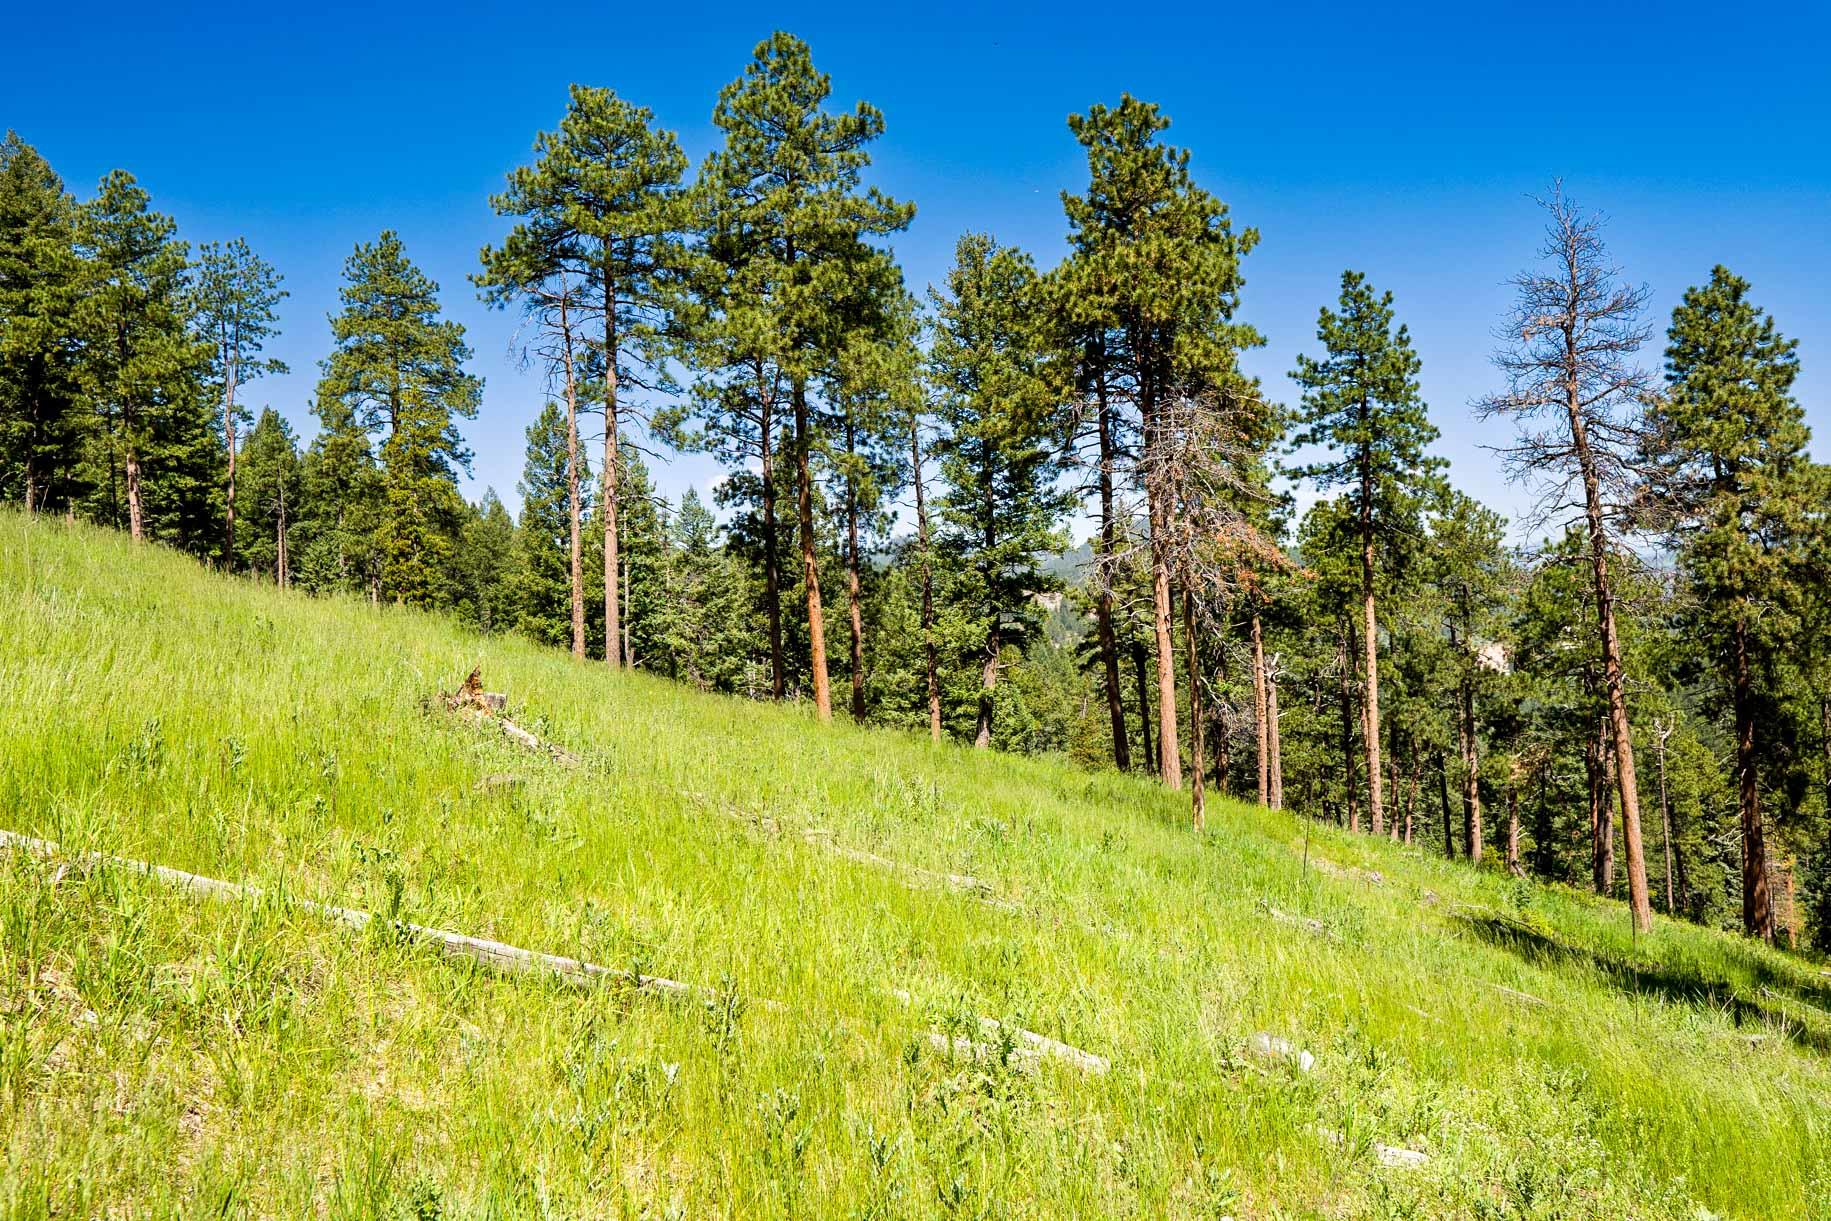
(1361, 401)
(783, 206)
(543, 571)
(1159, 263)
(1570, 344)
(272, 478)
(601, 211)
(238, 296)
(341, 526)
(143, 368)
(397, 367)
(1728, 443)
(997, 403)
(41, 286)
(486, 566)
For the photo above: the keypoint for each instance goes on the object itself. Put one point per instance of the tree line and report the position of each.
(1651, 678)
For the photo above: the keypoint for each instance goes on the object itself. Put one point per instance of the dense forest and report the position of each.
(1639, 701)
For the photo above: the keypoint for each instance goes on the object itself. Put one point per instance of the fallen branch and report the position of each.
(1308, 923)
(1031, 1042)
(500, 956)
(817, 836)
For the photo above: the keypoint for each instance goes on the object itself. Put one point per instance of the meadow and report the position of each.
(163, 1053)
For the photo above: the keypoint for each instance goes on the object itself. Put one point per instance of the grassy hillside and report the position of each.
(163, 1053)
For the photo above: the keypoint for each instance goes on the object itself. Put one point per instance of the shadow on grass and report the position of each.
(1679, 983)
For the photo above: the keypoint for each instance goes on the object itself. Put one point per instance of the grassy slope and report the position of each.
(161, 1053)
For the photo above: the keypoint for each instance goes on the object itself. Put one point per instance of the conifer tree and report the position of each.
(998, 401)
(272, 480)
(1571, 340)
(599, 241)
(398, 367)
(143, 364)
(1160, 260)
(1361, 401)
(238, 297)
(1730, 470)
(785, 209)
(486, 566)
(544, 569)
(1468, 569)
(41, 288)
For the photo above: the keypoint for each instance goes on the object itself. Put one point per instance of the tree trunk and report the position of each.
(1604, 858)
(1471, 774)
(1261, 705)
(282, 567)
(575, 541)
(1665, 817)
(1277, 746)
(1197, 744)
(772, 573)
(1443, 805)
(136, 518)
(612, 477)
(1144, 703)
(929, 647)
(1370, 690)
(1103, 604)
(1346, 691)
(1757, 905)
(982, 734)
(1169, 745)
(810, 567)
(1620, 729)
(1513, 865)
(229, 378)
(855, 614)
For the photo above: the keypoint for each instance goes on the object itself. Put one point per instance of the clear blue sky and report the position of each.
(1400, 140)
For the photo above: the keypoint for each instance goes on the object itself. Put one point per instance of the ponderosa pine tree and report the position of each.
(1571, 340)
(340, 528)
(1160, 262)
(604, 213)
(998, 400)
(238, 298)
(142, 363)
(1361, 401)
(1729, 469)
(486, 566)
(41, 288)
(398, 368)
(785, 210)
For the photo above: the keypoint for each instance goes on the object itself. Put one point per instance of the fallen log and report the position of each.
(472, 700)
(500, 956)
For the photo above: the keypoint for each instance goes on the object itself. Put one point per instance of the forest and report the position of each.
(1039, 509)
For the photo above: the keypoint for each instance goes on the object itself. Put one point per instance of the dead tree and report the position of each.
(1573, 394)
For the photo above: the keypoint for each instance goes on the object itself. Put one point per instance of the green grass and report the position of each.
(161, 1053)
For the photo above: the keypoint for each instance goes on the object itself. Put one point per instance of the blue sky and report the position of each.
(1400, 140)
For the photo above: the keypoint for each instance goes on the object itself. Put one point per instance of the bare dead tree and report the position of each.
(1573, 395)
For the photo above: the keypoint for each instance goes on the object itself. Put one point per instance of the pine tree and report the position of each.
(486, 566)
(273, 479)
(1730, 469)
(398, 368)
(543, 572)
(1159, 261)
(997, 400)
(600, 210)
(1361, 401)
(41, 287)
(238, 296)
(1468, 570)
(784, 210)
(143, 365)
(339, 532)
(1571, 340)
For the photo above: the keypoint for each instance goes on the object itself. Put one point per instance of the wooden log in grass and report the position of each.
(500, 956)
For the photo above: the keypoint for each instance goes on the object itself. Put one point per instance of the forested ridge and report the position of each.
(1638, 700)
